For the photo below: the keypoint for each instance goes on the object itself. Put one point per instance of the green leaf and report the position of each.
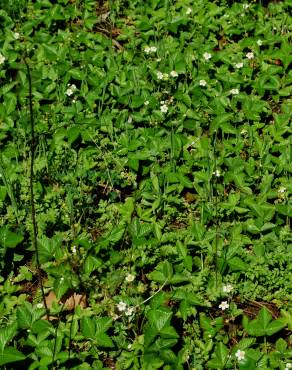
(9, 239)
(275, 326)
(245, 343)
(61, 286)
(103, 324)
(104, 340)
(264, 317)
(10, 103)
(263, 324)
(150, 333)
(185, 98)
(136, 101)
(47, 248)
(168, 332)
(6, 334)
(162, 273)
(24, 317)
(220, 357)
(281, 345)
(9, 355)
(91, 264)
(159, 318)
(88, 327)
(77, 74)
(115, 235)
(237, 264)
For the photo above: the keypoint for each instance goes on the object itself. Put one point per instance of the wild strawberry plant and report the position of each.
(154, 141)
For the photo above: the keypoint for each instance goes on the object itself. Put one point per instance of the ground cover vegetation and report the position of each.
(144, 184)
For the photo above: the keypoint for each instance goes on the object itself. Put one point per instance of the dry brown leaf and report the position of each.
(70, 302)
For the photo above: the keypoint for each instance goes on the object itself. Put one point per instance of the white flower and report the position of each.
(282, 190)
(159, 75)
(39, 305)
(69, 92)
(16, 35)
(130, 278)
(288, 366)
(74, 249)
(174, 74)
(239, 65)
(224, 305)
(2, 59)
(158, 60)
(202, 83)
(151, 49)
(217, 173)
(162, 102)
(121, 306)
(164, 108)
(240, 355)
(227, 288)
(259, 42)
(234, 91)
(207, 56)
(130, 311)
(245, 6)
(71, 89)
(62, 279)
(250, 55)
(188, 11)
(146, 102)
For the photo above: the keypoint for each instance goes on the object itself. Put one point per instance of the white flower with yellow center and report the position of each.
(227, 288)
(173, 74)
(130, 311)
(130, 278)
(121, 306)
(159, 75)
(224, 305)
(250, 55)
(164, 108)
(207, 56)
(70, 89)
(234, 91)
(238, 65)
(240, 355)
(217, 173)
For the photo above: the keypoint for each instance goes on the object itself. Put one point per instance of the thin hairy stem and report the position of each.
(31, 181)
